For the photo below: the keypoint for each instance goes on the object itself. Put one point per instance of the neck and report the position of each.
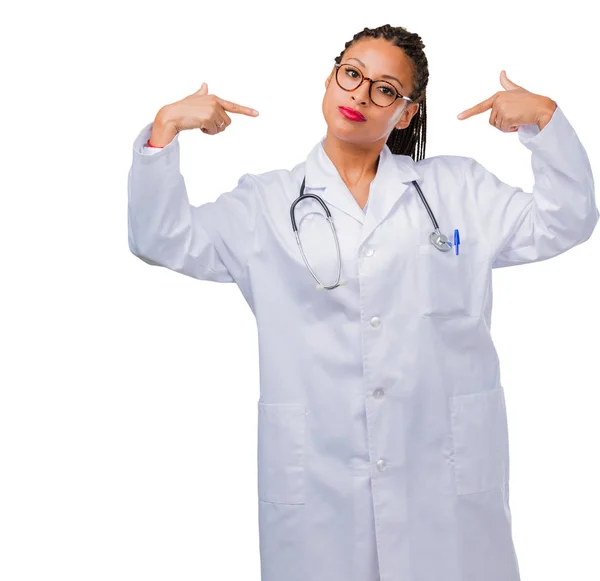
(356, 163)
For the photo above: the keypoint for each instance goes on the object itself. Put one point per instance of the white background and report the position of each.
(128, 392)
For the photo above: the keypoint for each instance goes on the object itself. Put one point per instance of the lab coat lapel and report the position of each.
(323, 179)
(394, 174)
(393, 177)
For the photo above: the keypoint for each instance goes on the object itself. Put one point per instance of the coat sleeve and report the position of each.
(212, 241)
(561, 211)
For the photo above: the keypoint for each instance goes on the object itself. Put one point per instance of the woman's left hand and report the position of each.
(514, 107)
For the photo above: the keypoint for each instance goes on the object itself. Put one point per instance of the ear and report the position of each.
(407, 115)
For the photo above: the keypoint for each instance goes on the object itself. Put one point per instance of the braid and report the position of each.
(411, 140)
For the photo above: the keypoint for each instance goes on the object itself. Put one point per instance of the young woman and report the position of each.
(382, 433)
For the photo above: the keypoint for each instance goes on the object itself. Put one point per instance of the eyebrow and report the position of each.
(382, 76)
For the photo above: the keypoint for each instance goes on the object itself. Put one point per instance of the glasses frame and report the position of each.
(371, 81)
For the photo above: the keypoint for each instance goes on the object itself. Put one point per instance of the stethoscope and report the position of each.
(439, 240)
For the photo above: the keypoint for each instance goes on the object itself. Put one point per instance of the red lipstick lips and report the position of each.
(351, 114)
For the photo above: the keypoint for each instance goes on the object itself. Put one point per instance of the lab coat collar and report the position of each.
(393, 177)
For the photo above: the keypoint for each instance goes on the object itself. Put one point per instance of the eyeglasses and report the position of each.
(349, 78)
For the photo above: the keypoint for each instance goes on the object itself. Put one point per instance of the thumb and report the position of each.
(203, 90)
(507, 83)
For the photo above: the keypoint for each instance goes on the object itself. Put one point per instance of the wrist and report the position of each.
(546, 112)
(163, 129)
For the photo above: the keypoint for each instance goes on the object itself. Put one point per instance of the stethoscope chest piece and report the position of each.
(440, 241)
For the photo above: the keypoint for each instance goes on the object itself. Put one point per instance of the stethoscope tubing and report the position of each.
(433, 220)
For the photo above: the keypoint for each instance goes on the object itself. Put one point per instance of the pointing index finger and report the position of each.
(479, 108)
(235, 108)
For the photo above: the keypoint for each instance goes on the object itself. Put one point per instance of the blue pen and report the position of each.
(456, 240)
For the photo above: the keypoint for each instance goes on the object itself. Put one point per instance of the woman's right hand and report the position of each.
(201, 110)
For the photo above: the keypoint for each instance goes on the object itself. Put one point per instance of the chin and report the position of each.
(342, 125)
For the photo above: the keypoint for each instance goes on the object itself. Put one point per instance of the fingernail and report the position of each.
(460, 116)
(255, 111)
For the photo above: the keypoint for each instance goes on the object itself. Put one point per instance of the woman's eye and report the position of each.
(352, 71)
(389, 91)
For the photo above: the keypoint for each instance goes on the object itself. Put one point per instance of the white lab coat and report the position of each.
(382, 430)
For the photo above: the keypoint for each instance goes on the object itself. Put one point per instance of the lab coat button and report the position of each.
(374, 321)
(369, 252)
(378, 392)
(381, 465)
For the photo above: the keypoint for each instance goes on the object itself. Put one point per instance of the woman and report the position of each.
(382, 434)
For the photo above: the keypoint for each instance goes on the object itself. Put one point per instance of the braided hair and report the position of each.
(410, 140)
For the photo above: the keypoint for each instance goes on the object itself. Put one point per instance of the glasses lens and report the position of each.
(348, 77)
(382, 93)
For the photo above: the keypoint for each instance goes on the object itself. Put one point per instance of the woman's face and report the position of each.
(378, 57)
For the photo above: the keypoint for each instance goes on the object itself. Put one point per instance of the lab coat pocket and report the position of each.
(480, 441)
(281, 437)
(444, 282)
